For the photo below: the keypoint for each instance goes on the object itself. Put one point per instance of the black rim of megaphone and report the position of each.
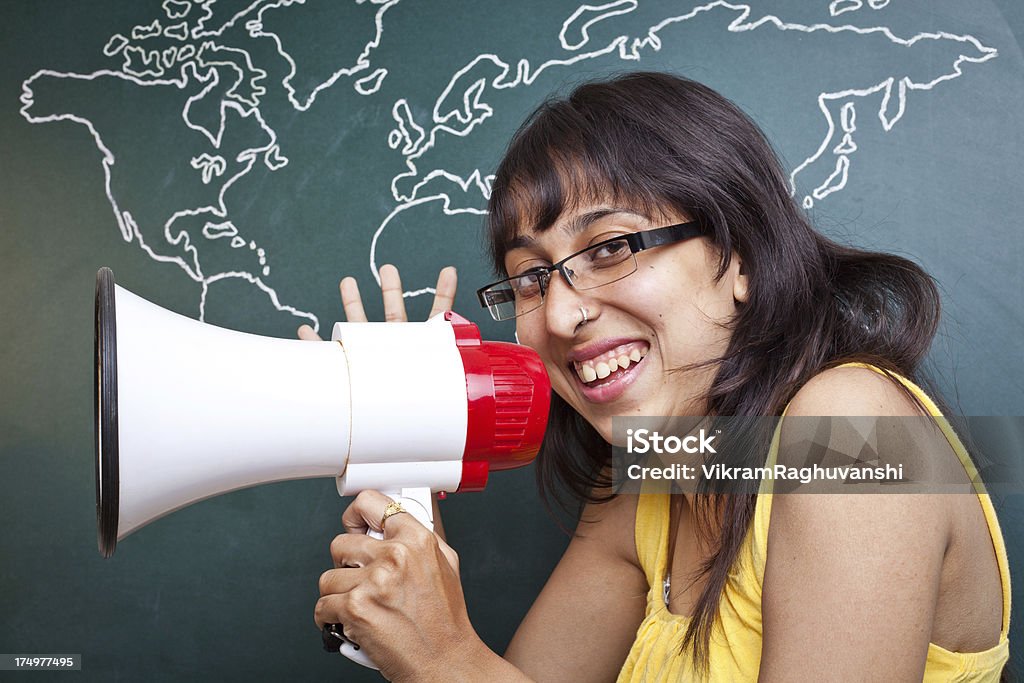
(107, 480)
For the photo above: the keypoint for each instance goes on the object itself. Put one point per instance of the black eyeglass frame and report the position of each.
(637, 241)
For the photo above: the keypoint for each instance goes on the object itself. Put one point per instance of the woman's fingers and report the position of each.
(394, 302)
(351, 301)
(391, 290)
(334, 608)
(353, 550)
(365, 512)
(306, 333)
(444, 296)
(392, 293)
(341, 579)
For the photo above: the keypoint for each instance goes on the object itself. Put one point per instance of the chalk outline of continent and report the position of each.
(126, 222)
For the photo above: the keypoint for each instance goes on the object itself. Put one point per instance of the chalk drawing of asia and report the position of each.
(209, 63)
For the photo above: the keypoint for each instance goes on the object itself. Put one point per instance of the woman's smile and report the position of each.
(604, 370)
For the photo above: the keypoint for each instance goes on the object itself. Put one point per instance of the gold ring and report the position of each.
(391, 510)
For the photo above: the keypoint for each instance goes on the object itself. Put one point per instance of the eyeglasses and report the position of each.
(599, 264)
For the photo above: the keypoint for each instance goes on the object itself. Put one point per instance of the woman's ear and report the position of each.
(741, 281)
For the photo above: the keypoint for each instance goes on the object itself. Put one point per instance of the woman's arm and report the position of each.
(851, 580)
(583, 623)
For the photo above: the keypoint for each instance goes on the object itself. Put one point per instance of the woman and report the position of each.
(721, 301)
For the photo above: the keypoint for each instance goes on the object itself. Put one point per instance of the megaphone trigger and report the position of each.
(335, 641)
(332, 637)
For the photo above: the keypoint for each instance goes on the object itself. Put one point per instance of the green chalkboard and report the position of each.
(232, 159)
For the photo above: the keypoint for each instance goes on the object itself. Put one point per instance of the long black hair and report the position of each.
(659, 143)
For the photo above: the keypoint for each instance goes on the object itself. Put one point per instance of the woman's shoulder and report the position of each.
(877, 403)
(855, 390)
(835, 523)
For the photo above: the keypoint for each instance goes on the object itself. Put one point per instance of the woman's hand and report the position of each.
(394, 303)
(400, 598)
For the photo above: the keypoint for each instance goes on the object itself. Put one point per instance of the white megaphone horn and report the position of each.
(186, 411)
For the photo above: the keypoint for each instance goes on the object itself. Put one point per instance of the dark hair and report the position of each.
(658, 142)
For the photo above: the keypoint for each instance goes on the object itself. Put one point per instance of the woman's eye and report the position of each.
(527, 284)
(609, 254)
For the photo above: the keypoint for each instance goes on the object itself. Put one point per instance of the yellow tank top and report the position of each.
(735, 647)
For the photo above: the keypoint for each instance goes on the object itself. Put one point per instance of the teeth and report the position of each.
(588, 371)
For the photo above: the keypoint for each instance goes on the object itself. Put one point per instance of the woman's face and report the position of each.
(669, 313)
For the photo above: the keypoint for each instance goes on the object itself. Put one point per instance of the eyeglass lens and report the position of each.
(600, 265)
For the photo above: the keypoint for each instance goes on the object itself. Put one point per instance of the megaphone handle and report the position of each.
(417, 502)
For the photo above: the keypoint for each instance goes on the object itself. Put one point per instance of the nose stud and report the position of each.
(584, 319)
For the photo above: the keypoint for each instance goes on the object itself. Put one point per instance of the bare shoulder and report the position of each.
(885, 425)
(852, 391)
(892, 566)
(849, 575)
(863, 395)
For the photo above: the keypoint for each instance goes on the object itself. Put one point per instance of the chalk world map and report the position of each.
(212, 106)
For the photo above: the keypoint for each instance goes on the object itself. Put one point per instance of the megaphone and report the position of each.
(186, 410)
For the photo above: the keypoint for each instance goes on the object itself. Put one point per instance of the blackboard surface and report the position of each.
(231, 160)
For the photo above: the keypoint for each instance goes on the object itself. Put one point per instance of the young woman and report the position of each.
(652, 255)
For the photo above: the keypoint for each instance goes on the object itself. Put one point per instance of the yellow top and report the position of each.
(735, 647)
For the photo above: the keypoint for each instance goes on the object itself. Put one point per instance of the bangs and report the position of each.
(564, 158)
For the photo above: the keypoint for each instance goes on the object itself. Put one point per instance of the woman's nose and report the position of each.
(564, 306)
